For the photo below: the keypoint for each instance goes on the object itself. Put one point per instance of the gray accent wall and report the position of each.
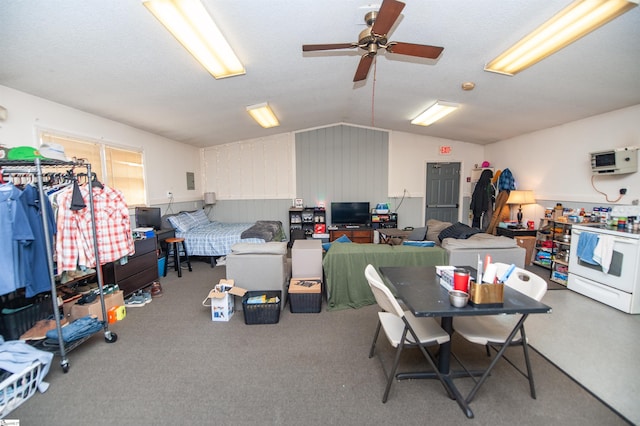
(342, 163)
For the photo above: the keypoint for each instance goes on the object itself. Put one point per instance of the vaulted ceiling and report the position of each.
(113, 59)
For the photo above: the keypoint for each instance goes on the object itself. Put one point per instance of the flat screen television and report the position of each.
(148, 217)
(350, 213)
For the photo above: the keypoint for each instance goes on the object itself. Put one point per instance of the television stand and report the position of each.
(356, 233)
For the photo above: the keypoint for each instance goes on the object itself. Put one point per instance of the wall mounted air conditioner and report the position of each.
(615, 161)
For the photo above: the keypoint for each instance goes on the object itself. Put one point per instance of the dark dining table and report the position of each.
(420, 290)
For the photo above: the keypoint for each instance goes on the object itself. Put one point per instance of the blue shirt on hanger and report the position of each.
(17, 235)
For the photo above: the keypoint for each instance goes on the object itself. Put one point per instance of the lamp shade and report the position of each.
(209, 198)
(521, 197)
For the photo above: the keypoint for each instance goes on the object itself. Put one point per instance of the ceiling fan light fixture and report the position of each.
(193, 27)
(263, 114)
(434, 113)
(570, 24)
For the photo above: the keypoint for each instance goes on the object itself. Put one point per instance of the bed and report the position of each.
(214, 239)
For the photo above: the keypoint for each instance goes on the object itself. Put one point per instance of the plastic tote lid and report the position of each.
(53, 151)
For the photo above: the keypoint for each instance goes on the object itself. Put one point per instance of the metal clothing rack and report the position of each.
(28, 167)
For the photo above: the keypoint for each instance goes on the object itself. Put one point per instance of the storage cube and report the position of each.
(306, 258)
(305, 295)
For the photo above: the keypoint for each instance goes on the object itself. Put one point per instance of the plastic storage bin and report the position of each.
(304, 303)
(305, 295)
(18, 387)
(21, 314)
(261, 313)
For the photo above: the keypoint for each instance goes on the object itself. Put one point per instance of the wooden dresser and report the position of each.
(140, 271)
(356, 235)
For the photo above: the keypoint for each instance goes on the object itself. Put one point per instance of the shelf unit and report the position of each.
(304, 222)
(561, 234)
(35, 168)
(553, 242)
(383, 220)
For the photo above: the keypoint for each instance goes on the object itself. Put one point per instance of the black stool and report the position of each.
(175, 245)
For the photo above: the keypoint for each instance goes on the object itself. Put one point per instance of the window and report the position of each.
(117, 167)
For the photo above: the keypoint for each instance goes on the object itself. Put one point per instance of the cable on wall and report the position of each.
(603, 193)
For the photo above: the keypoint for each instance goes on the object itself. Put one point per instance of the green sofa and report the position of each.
(343, 266)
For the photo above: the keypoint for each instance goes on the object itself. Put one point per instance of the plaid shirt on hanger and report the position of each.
(74, 243)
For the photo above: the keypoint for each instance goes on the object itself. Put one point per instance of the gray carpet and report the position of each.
(173, 365)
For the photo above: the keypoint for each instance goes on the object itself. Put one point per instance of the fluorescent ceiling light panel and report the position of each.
(434, 113)
(263, 114)
(575, 21)
(191, 24)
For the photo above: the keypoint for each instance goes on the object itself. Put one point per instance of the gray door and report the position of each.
(443, 191)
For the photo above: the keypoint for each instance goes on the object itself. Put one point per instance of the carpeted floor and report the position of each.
(173, 365)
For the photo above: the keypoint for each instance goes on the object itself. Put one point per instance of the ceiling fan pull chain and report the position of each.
(373, 91)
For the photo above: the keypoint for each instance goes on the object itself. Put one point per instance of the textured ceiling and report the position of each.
(113, 59)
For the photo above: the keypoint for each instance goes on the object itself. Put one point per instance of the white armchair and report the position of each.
(259, 267)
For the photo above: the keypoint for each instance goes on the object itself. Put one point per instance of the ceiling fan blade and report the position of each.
(363, 68)
(313, 47)
(387, 16)
(419, 50)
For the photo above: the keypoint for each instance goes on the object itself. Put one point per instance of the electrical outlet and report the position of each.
(623, 191)
(169, 194)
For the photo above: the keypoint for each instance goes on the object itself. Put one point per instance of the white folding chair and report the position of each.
(493, 331)
(402, 329)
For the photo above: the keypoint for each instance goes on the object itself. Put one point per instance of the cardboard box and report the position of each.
(95, 308)
(528, 243)
(305, 285)
(220, 299)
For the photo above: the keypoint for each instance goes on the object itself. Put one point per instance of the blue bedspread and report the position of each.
(215, 238)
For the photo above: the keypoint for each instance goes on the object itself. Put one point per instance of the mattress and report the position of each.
(215, 238)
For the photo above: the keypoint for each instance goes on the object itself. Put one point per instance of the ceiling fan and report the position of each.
(375, 37)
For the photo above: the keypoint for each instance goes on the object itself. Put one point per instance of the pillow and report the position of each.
(342, 239)
(435, 227)
(480, 241)
(418, 234)
(199, 217)
(182, 222)
(419, 243)
(458, 230)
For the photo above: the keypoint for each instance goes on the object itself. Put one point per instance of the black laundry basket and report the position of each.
(261, 313)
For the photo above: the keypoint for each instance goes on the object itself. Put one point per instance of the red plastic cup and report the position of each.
(461, 280)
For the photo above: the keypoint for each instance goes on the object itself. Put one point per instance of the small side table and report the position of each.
(388, 234)
(513, 232)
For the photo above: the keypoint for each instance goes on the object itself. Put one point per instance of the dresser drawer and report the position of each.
(137, 281)
(144, 246)
(134, 265)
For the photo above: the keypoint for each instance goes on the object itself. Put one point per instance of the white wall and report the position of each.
(166, 161)
(555, 162)
(262, 168)
(409, 155)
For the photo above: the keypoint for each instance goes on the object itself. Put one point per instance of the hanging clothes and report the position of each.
(17, 236)
(74, 241)
(506, 182)
(38, 278)
(482, 198)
